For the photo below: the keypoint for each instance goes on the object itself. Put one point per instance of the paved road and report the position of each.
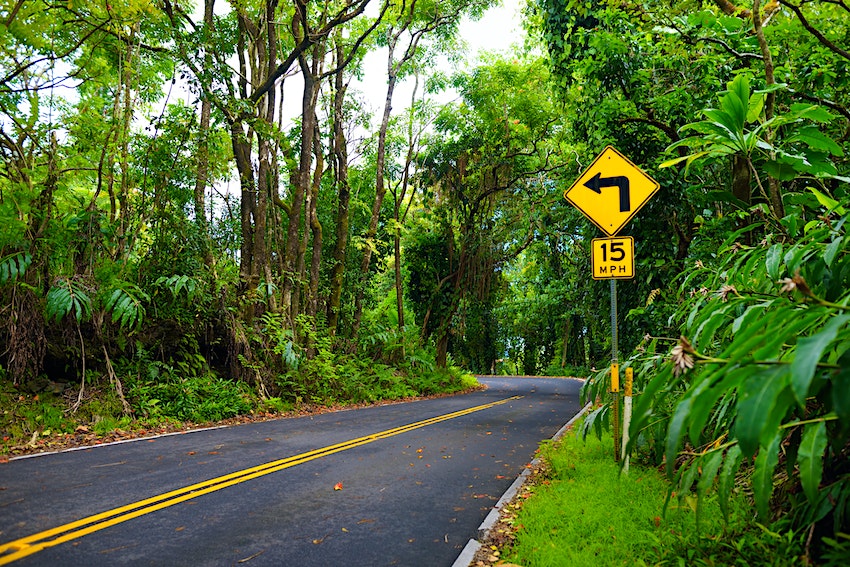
(404, 484)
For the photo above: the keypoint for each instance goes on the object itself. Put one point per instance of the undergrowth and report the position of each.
(159, 394)
(587, 513)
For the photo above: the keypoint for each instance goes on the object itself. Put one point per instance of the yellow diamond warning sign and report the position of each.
(611, 191)
(613, 258)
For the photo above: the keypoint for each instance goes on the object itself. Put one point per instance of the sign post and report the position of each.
(610, 193)
(615, 372)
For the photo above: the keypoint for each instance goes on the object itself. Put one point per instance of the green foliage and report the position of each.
(125, 304)
(178, 283)
(13, 266)
(25, 418)
(751, 392)
(585, 512)
(802, 149)
(165, 393)
(68, 296)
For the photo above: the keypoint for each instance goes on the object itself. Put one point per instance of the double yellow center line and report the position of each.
(29, 545)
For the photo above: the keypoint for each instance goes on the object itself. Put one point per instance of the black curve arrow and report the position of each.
(596, 183)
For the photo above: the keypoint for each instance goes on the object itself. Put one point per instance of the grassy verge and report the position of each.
(581, 511)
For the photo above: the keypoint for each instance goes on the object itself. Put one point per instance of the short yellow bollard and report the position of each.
(615, 407)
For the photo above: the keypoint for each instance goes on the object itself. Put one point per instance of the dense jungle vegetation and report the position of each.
(202, 217)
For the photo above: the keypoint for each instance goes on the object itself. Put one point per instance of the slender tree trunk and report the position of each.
(773, 185)
(316, 229)
(203, 152)
(302, 187)
(380, 188)
(242, 155)
(340, 153)
(566, 342)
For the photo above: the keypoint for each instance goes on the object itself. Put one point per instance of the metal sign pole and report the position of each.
(612, 257)
(615, 372)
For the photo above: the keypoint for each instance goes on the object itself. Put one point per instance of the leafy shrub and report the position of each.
(186, 391)
(760, 380)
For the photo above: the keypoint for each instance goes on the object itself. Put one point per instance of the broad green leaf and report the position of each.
(765, 465)
(780, 170)
(751, 314)
(705, 405)
(676, 429)
(809, 352)
(786, 325)
(14, 266)
(771, 88)
(710, 465)
(810, 111)
(756, 106)
(828, 202)
(727, 125)
(814, 138)
(841, 393)
(757, 399)
(705, 332)
(734, 106)
(831, 250)
(726, 480)
(642, 410)
(773, 262)
(810, 458)
(672, 162)
(732, 238)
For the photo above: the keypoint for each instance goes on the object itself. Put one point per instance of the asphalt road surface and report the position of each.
(402, 484)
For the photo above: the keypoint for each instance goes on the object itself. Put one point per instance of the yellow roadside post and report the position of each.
(615, 407)
(609, 193)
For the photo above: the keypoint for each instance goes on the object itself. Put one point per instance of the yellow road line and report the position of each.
(29, 545)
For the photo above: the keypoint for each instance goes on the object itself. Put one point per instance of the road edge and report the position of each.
(467, 555)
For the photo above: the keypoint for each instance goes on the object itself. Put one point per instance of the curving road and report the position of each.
(404, 484)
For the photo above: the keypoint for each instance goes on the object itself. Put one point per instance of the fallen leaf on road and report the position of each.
(250, 557)
(338, 486)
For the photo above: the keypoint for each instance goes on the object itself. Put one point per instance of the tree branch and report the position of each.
(809, 28)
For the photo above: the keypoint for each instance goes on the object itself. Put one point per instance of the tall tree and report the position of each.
(405, 30)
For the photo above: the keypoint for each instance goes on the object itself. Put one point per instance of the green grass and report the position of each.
(587, 513)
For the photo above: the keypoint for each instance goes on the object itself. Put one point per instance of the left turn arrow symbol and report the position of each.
(597, 182)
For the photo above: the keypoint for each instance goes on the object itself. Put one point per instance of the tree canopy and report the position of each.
(173, 240)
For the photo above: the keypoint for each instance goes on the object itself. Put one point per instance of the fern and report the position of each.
(13, 266)
(176, 284)
(125, 303)
(68, 296)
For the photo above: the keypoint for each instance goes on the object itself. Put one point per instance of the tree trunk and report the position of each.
(340, 153)
(308, 128)
(242, 155)
(316, 229)
(380, 188)
(203, 152)
(566, 343)
(773, 185)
